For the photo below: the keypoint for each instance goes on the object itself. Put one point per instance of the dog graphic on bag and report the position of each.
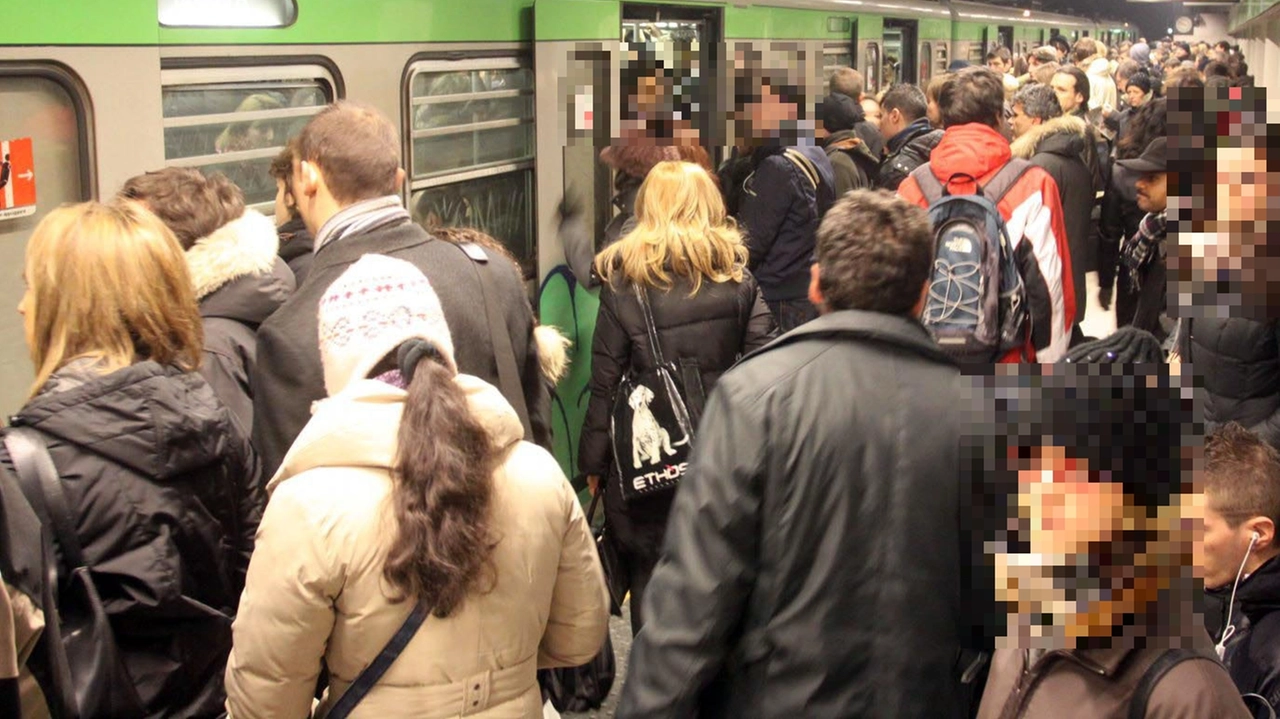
(648, 439)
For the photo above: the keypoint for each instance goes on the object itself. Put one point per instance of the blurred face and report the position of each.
(768, 114)
(1223, 549)
(1151, 192)
(935, 115)
(1135, 96)
(892, 122)
(284, 202)
(871, 109)
(28, 314)
(998, 65)
(1244, 187)
(1064, 86)
(1020, 122)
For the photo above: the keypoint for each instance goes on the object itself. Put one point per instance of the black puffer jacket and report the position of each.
(710, 330)
(1253, 650)
(1057, 146)
(1238, 364)
(908, 150)
(814, 558)
(780, 209)
(240, 282)
(167, 497)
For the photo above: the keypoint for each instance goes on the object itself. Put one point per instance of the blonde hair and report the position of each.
(108, 282)
(682, 228)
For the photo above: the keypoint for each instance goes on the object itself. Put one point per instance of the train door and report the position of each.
(46, 132)
(899, 63)
(1005, 33)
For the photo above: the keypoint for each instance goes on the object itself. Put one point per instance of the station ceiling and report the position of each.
(1153, 17)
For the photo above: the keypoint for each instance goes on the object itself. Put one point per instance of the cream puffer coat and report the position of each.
(315, 587)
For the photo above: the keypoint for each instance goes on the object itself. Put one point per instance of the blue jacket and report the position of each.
(779, 212)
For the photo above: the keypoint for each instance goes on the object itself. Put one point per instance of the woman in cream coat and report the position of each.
(411, 482)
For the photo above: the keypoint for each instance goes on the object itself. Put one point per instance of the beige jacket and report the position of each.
(315, 587)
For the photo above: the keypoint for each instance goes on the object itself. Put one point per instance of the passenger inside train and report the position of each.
(811, 430)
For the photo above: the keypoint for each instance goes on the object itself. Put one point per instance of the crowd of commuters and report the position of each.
(301, 467)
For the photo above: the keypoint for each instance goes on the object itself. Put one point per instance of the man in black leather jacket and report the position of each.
(910, 137)
(814, 559)
(1242, 492)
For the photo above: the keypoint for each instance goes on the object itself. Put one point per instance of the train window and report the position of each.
(926, 64)
(835, 57)
(472, 151)
(976, 55)
(220, 13)
(873, 62)
(235, 120)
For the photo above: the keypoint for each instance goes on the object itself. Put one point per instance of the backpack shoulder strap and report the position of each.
(805, 165)
(930, 187)
(43, 487)
(1160, 667)
(1005, 179)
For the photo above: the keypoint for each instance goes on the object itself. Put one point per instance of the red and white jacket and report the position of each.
(1032, 211)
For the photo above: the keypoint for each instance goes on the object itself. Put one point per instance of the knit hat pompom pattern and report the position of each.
(377, 305)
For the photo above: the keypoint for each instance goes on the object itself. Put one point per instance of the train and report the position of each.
(502, 104)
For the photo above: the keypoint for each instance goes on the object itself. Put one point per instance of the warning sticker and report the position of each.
(17, 179)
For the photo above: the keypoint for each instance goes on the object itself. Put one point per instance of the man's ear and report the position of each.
(815, 289)
(309, 179)
(924, 297)
(400, 175)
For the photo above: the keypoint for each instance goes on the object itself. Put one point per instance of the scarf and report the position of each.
(1137, 252)
(364, 216)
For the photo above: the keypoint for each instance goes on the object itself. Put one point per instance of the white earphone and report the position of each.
(1229, 629)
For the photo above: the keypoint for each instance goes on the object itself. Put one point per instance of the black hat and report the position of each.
(839, 113)
(1153, 159)
(958, 65)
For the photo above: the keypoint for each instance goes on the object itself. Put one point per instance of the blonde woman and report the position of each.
(691, 260)
(163, 488)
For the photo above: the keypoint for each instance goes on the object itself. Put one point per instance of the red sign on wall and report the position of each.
(17, 179)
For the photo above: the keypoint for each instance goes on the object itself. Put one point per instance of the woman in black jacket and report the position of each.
(1120, 211)
(164, 489)
(691, 260)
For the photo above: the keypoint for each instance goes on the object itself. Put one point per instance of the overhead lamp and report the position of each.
(1026, 13)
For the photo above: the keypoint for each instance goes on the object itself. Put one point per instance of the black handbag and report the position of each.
(83, 640)
(651, 429)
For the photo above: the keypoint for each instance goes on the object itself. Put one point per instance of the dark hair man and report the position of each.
(852, 161)
(1142, 255)
(972, 149)
(1001, 61)
(1056, 142)
(1241, 574)
(1097, 574)
(1063, 48)
(909, 135)
(296, 243)
(725, 635)
(347, 180)
(1071, 85)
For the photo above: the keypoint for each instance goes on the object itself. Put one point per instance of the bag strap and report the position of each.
(44, 490)
(642, 296)
(1005, 179)
(805, 165)
(365, 681)
(930, 187)
(1160, 667)
(504, 353)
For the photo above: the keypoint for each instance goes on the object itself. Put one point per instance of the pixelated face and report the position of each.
(1020, 122)
(1135, 96)
(1067, 512)
(1244, 188)
(1222, 549)
(1064, 86)
(769, 112)
(1152, 188)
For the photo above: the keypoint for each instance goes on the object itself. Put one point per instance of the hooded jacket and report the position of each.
(166, 497)
(1057, 146)
(813, 561)
(296, 247)
(780, 210)
(316, 590)
(1238, 363)
(908, 150)
(239, 283)
(1253, 650)
(1033, 215)
(1102, 89)
(852, 164)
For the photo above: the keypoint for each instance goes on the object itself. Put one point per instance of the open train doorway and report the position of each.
(1005, 33)
(898, 62)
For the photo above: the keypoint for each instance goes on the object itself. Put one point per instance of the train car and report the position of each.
(502, 104)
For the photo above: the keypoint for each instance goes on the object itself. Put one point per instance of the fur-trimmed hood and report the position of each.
(1033, 141)
(245, 246)
(553, 352)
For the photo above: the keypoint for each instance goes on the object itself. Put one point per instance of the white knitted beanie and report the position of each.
(374, 307)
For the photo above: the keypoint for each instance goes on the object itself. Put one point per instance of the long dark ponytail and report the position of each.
(443, 473)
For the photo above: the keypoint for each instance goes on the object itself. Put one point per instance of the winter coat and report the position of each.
(1119, 219)
(316, 588)
(1102, 89)
(1238, 363)
(288, 377)
(1099, 683)
(780, 211)
(813, 561)
(1056, 146)
(908, 150)
(1252, 652)
(1033, 215)
(239, 283)
(296, 247)
(167, 496)
(852, 164)
(707, 332)
(24, 600)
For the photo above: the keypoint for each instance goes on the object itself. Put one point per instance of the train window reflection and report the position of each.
(235, 120)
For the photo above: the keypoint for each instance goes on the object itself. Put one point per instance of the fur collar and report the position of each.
(1025, 146)
(242, 247)
(553, 352)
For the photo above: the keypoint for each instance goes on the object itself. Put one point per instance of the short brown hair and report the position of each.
(875, 252)
(1044, 72)
(191, 204)
(974, 94)
(282, 170)
(1242, 475)
(356, 148)
(1083, 49)
(847, 81)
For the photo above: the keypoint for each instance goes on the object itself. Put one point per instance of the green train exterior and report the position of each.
(502, 104)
